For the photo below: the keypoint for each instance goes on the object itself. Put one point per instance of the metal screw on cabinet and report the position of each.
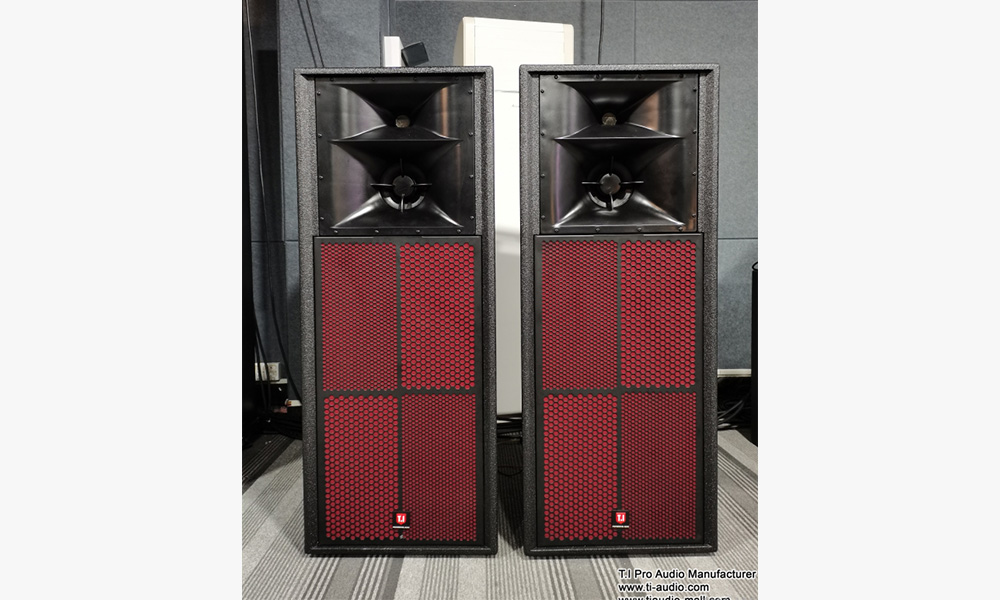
(376, 231)
(321, 177)
(542, 175)
(471, 133)
(638, 228)
(469, 92)
(472, 176)
(541, 91)
(319, 135)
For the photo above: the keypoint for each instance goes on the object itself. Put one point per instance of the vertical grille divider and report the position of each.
(620, 400)
(399, 387)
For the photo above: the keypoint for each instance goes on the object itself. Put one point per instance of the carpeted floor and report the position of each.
(275, 567)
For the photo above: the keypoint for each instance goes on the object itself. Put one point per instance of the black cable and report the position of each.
(260, 390)
(732, 411)
(381, 34)
(312, 24)
(305, 29)
(265, 386)
(263, 204)
(600, 39)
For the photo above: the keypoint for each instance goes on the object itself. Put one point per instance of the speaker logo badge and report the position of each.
(620, 519)
(401, 520)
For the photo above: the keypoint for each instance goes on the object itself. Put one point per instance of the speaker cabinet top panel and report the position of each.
(396, 150)
(617, 147)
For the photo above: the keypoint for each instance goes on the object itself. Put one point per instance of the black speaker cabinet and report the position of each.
(618, 267)
(395, 190)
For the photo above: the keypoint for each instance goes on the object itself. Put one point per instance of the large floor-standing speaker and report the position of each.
(395, 187)
(618, 292)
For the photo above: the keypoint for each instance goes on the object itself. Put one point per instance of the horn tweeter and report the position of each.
(618, 151)
(395, 154)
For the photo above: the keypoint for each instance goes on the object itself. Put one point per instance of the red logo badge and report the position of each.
(620, 519)
(401, 520)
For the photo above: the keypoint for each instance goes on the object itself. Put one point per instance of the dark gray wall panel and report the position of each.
(262, 117)
(284, 270)
(347, 35)
(724, 33)
(620, 43)
(263, 295)
(736, 257)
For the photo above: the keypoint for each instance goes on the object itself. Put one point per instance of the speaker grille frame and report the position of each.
(421, 280)
(620, 389)
(707, 208)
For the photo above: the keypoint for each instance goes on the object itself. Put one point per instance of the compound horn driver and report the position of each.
(610, 186)
(402, 187)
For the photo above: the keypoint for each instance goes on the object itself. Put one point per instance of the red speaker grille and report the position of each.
(581, 466)
(579, 293)
(439, 466)
(397, 317)
(658, 313)
(438, 316)
(659, 465)
(360, 457)
(359, 316)
(619, 320)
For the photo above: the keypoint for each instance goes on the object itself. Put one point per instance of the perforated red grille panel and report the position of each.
(581, 466)
(359, 454)
(438, 466)
(579, 295)
(659, 465)
(658, 313)
(398, 356)
(437, 316)
(619, 320)
(358, 316)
